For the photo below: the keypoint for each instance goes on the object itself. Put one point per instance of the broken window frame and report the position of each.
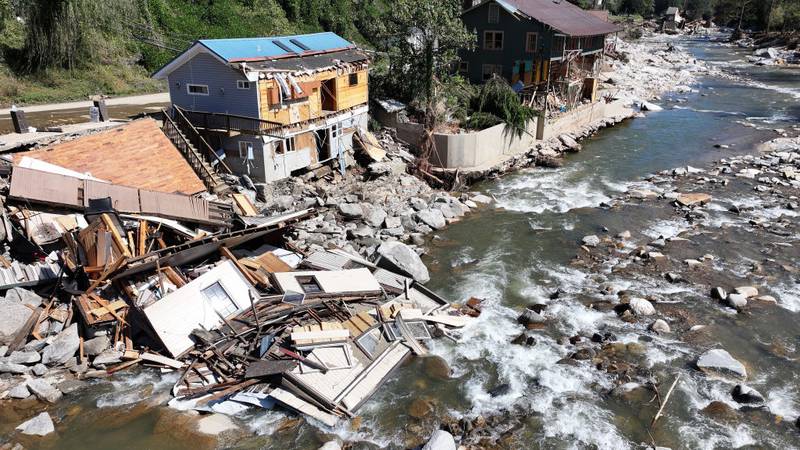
(246, 152)
(493, 40)
(203, 89)
(373, 333)
(228, 310)
(308, 280)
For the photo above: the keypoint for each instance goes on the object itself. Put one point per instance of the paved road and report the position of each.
(133, 100)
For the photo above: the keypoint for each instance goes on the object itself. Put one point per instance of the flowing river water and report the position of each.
(516, 253)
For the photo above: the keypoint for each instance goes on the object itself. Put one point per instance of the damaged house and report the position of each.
(272, 105)
(536, 44)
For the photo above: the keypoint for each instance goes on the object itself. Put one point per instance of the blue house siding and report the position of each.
(223, 94)
(550, 43)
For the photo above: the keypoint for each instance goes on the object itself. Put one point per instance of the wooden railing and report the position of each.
(194, 136)
(200, 166)
(232, 122)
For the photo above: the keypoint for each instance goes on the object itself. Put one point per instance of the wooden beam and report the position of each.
(247, 274)
(118, 241)
(142, 241)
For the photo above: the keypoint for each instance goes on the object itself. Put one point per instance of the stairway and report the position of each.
(183, 138)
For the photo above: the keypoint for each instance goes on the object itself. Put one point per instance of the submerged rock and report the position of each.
(720, 363)
(736, 301)
(44, 390)
(660, 326)
(215, 424)
(746, 395)
(40, 425)
(591, 241)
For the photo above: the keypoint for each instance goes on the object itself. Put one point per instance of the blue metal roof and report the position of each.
(233, 50)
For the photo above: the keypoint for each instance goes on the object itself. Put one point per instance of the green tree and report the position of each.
(645, 8)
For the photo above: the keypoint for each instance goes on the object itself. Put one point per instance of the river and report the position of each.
(517, 254)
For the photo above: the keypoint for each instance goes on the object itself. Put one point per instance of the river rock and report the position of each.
(721, 411)
(569, 142)
(215, 424)
(719, 293)
(433, 218)
(660, 326)
(530, 317)
(40, 425)
(736, 301)
(13, 316)
(440, 440)
(591, 241)
(647, 106)
(420, 408)
(44, 390)
(63, 347)
(641, 307)
(95, 346)
(107, 357)
(481, 199)
(7, 367)
(39, 369)
(746, 395)
(19, 391)
(747, 291)
(720, 363)
(23, 357)
(350, 210)
(404, 258)
(693, 199)
(331, 445)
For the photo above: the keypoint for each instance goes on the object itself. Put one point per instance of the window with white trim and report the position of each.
(493, 40)
(246, 150)
(494, 13)
(219, 299)
(197, 89)
(244, 85)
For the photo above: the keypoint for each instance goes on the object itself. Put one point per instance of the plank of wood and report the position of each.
(141, 247)
(245, 205)
(21, 337)
(109, 270)
(123, 366)
(173, 276)
(118, 241)
(272, 263)
(109, 309)
(267, 367)
(247, 274)
(169, 362)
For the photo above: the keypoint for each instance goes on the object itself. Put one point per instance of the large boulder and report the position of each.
(746, 395)
(720, 363)
(95, 346)
(13, 317)
(432, 218)
(63, 347)
(40, 425)
(23, 357)
(641, 307)
(441, 440)
(44, 390)
(351, 210)
(402, 257)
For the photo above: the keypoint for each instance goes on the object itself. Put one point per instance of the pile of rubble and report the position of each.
(102, 278)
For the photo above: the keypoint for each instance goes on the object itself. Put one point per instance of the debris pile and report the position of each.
(122, 277)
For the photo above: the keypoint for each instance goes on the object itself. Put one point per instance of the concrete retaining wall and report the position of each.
(490, 146)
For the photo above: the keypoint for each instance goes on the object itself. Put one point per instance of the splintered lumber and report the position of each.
(247, 273)
(108, 309)
(123, 366)
(245, 205)
(163, 360)
(267, 367)
(118, 241)
(141, 247)
(272, 263)
(21, 337)
(106, 273)
(308, 362)
(173, 276)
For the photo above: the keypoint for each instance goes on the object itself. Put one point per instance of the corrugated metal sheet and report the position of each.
(45, 187)
(233, 50)
(563, 16)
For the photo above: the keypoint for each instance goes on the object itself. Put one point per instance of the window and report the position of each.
(463, 67)
(353, 79)
(285, 146)
(219, 299)
(530, 42)
(490, 70)
(309, 284)
(493, 40)
(494, 13)
(242, 84)
(197, 89)
(246, 150)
